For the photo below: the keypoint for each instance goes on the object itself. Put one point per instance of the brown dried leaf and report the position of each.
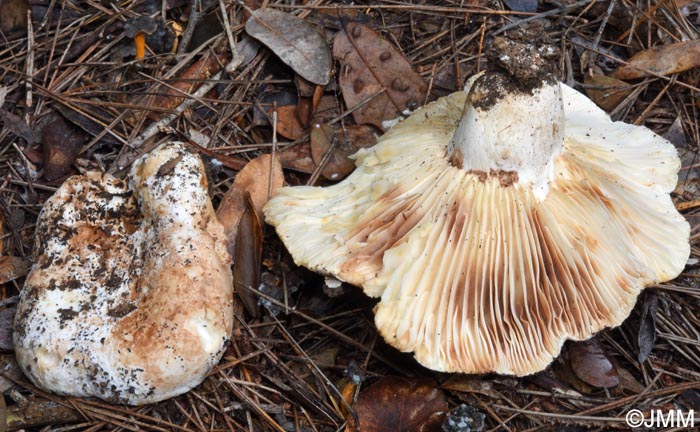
(255, 178)
(399, 404)
(295, 42)
(521, 5)
(661, 60)
(254, 181)
(327, 108)
(13, 15)
(605, 91)
(246, 271)
(370, 64)
(93, 125)
(244, 232)
(589, 363)
(61, 143)
(18, 126)
(647, 326)
(345, 142)
(298, 158)
(468, 384)
(229, 213)
(288, 123)
(12, 268)
(239, 212)
(288, 120)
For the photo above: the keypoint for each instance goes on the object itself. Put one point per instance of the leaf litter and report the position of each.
(278, 373)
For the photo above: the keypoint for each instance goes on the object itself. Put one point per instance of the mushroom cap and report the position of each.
(130, 297)
(476, 272)
(141, 24)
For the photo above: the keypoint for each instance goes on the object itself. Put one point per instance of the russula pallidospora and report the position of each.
(130, 295)
(495, 224)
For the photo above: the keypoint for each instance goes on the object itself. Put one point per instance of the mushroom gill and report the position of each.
(490, 264)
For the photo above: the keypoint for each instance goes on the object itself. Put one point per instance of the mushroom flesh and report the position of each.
(130, 295)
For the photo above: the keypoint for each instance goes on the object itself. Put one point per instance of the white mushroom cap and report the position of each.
(491, 270)
(130, 296)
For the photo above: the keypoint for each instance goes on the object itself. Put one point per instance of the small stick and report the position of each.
(30, 65)
(189, 30)
(125, 159)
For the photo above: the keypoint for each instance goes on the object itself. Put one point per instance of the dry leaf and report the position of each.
(255, 178)
(605, 91)
(647, 326)
(298, 158)
(244, 233)
(229, 213)
(521, 5)
(16, 124)
(399, 404)
(61, 143)
(589, 363)
(252, 181)
(246, 270)
(328, 108)
(661, 60)
(13, 16)
(468, 384)
(295, 42)
(12, 268)
(345, 141)
(93, 125)
(629, 382)
(371, 64)
(239, 212)
(288, 123)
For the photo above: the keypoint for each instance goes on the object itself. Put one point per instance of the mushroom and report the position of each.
(496, 223)
(130, 295)
(137, 28)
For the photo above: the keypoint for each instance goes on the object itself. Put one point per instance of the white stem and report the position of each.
(519, 132)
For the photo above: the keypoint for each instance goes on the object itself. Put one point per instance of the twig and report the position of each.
(125, 159)
(191, 25)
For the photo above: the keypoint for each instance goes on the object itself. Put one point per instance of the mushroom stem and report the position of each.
(140, 41)
(510, 132)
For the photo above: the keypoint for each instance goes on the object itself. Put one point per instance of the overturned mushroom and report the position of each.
(496, 223)
(130, 296)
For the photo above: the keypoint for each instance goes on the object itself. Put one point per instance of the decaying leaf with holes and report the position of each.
(372, 68)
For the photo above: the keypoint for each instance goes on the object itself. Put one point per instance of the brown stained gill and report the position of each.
(505, 178)
(456, 158)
